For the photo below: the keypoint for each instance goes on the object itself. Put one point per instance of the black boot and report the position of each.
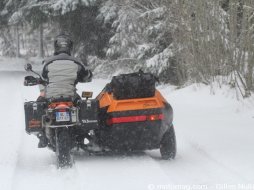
(43, 141)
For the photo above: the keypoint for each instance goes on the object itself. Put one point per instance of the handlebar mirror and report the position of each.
(28, 67)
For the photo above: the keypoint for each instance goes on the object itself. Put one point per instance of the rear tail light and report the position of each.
(62, 108)
(155, 117)
(59, 105)
(131, 119)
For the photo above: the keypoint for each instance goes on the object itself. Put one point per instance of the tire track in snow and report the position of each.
(132, 171)
(194, 165)
(10, 130)
(221, 165)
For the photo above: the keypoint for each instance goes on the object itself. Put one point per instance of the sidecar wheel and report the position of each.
(168, 145)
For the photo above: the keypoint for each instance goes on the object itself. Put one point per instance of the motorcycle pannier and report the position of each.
(89, 113)
(33, 116)
(134, 85)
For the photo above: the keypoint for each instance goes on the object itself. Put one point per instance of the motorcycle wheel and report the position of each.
(63, 148)
(168, 145)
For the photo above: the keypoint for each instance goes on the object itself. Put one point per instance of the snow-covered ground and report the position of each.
(215, 138)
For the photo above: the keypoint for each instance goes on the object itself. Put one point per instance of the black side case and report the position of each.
(33, 116)
(133, 85)
(88, 115)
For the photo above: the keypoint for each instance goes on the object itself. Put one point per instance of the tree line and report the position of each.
(181, 41)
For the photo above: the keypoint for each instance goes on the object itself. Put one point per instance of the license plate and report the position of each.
(62, 116)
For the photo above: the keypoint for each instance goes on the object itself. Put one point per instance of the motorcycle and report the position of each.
(123, 117)
(65, 122)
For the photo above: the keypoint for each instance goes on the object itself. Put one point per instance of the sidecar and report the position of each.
(135, 122)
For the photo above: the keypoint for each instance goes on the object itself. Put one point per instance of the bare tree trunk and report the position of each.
(17, 41)
(41, 50)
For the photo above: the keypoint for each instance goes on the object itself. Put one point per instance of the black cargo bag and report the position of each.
(133, 85)
(88, 114)
(33, 116)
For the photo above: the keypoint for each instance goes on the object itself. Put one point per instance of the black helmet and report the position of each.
(63, 44)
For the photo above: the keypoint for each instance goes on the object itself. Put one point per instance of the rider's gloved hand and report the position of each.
(30, 81)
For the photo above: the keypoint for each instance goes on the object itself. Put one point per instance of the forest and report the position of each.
(181, 41)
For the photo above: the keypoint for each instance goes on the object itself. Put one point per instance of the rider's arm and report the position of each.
(84, 75)
(45, 73)
(42, 83)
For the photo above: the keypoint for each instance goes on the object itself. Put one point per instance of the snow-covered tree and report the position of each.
(180, 41)
(141, 33)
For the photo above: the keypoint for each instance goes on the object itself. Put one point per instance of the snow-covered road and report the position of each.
(215, 138)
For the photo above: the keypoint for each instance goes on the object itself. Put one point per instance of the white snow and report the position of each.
(69, 5)
(17, 64)
(11, 64)
(160, 60)
(215, 137)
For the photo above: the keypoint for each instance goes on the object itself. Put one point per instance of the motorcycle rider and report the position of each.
(62, 72)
